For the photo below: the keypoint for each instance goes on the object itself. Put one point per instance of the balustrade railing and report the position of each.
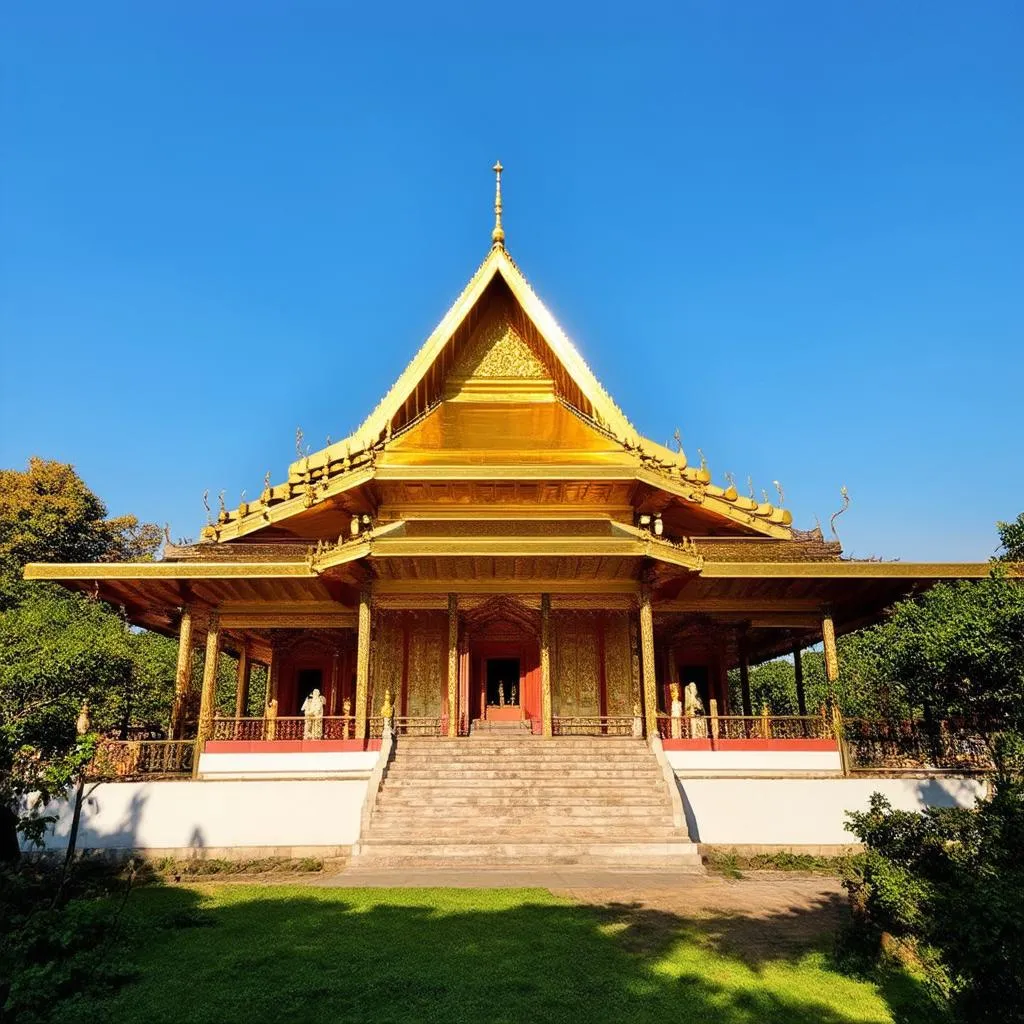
(917, 745)
(412, 725)
(745, 727)
(592, 725)
(330, 727)
(132, 759)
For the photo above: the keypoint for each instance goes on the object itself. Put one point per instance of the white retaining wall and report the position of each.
(282, 817)
(768, 762)
(291, 765)
(804, 812)
(298, 817)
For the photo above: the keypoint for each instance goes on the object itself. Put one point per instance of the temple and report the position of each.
(494, 547)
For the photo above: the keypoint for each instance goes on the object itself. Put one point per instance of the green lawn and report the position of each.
(230, 953)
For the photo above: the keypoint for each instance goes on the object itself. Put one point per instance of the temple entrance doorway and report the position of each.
(306, 681)
(503, 682)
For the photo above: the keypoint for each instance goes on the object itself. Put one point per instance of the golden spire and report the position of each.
(498, 234)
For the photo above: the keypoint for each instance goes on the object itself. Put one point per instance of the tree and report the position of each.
(959, 648)
(944, 888)
(1011, 539)
(48, 514)
(58, 649)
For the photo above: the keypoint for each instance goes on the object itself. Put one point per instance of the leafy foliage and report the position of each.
(945, 888)
(955, 651)
(1011, 539)
(53, 951)
(59, 649)
(48, 514)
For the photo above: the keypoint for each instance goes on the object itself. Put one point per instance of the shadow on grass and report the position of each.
(230, 954)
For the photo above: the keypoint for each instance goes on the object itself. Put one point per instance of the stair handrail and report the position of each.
(387, 749)
(669, 775)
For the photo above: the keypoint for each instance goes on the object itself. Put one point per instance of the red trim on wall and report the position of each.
(751, 745)
(288, 746)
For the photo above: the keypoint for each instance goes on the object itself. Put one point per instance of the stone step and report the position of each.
(516, 799)
(433, 795)
(488, 816)
(513, 833)
(678, 856)
(559, 786)
(525, 740)
(444, 772)
(402, 799)
(541, 757)
(526, 748)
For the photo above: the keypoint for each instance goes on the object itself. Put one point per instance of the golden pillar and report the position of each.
(647, 662)
(748, 708)
(242, 682)
(209, 692)
(453, 664)
(363, 663)
(335, 681)
(183, 674)
(545, 663)
(273, 671)
(828, 639)
(798, 672)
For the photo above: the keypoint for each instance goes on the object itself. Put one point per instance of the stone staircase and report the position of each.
(508, 799)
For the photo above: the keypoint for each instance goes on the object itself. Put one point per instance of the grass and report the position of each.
(220, 954)
(732, 865)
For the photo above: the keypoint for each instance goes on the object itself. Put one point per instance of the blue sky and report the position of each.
(793, 230)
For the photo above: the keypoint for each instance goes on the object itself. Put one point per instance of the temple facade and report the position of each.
(496, 543)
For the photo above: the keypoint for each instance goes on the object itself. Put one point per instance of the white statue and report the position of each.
(313, 710)
(694, 710)
(676, 712)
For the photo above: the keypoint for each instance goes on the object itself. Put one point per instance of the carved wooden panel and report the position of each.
(618, 664)
(498, 350)
(428, 654)
(575, 664)
(388, 658)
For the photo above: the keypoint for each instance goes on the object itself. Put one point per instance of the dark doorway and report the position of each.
(306, 681)
(696, 674)
(502, 681)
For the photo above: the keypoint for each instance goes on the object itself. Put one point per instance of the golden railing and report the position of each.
(745, 727)
(330, 727)
(408, 725)
(592, 725)
(954, 745)
(133, 759)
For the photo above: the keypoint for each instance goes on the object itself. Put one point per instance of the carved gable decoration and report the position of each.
(499, 364)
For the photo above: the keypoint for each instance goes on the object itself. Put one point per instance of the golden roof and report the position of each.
(469, 402)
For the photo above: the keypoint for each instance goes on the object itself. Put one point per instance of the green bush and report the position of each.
(943, 890)
(53, 950)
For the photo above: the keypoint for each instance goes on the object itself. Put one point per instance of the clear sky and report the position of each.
(792, 230)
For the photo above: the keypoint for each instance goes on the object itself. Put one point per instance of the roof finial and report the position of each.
(498, 234)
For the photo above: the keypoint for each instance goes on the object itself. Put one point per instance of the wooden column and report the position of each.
(464, 681)
(242, 682)
(453, 664)
(335, 682)
(209, 692)
(647, 662)
(545, 663)
(183, 674)
(362, 663)
(798, 672)
(828, 639)
(273, 671)
(748, 709)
